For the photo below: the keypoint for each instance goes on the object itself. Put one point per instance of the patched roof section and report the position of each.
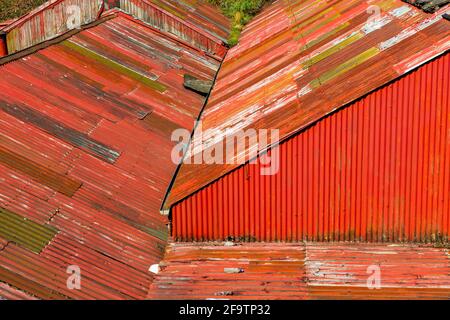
(301, 60)
(196, 22)
(429, 6)
(85, 158)
(302, 271)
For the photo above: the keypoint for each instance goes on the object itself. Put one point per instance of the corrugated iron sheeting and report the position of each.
(311, 271)
(207, 271)
(100, 87)
(10, 293)
(378, 170)
(196, 22)
(49, 21)
(301, 60)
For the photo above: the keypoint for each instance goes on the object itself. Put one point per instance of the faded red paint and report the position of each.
(79, 152)
(377, 170)
(199, 23)
(302, 60)
(302, 271)
(3, 47)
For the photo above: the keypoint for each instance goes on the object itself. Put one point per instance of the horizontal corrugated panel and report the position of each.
(10, 293)
(378, 170)
(240, 272)
(408, 266)
(301, 271)
(80, 111)
(299, 61)
(198, 23)
(49, 21)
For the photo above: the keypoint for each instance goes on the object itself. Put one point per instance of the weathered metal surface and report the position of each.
(311, 271)
(113, 91)
(192, 271)
(24, 232)
(196, 22)
(41, 174)
(10, 293)
(3, 46)
(301, 60)
(200, 86)
(50, 20)
(377, 170)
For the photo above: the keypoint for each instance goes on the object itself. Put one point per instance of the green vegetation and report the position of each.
(241, 12)
(15, 8)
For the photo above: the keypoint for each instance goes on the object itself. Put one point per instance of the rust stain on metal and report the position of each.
(377, 170)
(68, 110)
(41, 174)
(302, 60)
(301, 271)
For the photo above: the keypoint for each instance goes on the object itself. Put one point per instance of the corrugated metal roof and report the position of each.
(301, 271)
(10, 293)
(81, 154)
(50, 20)
(301, 60)
(196, 22)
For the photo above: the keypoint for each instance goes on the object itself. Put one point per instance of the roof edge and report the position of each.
(168, 205)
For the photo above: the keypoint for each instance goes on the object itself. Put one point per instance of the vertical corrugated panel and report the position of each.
(48, 22)
(161, 17)
(378, 170)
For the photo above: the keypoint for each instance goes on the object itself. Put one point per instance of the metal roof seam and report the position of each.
(398, 29)
(47, 43)
(164, 209)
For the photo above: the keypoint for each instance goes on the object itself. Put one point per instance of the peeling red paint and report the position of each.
(302, 271)
(64, 111)
(302, 60)
(377, 170)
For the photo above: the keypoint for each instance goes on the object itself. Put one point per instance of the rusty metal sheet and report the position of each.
(196, 22)
(208, 271)
(49, 21)
(377, 170)
(23, 232)
(10, 293)
(301, 271)
(100, 87)
(298, 61)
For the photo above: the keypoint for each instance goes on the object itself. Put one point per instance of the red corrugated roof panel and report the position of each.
(302, 271)
(301, 60)
(85, 141)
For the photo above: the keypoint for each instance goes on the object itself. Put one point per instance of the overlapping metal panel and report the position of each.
(302, 271)
(196, 22)
(80, 155)
(301, 60)
(377, 170)
(50, 20)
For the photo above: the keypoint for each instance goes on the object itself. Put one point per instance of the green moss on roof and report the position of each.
(113, 65)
